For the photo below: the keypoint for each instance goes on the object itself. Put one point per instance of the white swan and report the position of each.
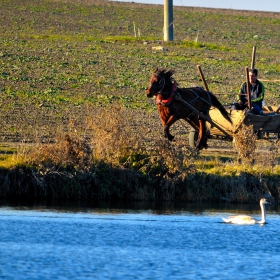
(246, 219)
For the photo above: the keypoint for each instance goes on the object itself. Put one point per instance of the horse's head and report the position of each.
(158, 81)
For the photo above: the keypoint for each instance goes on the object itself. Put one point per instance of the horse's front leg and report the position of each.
(204, 136)
(166, 125)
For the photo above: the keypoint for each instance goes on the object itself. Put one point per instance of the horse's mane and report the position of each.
(165, 72)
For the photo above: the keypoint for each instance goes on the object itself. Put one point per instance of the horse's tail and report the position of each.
(216, 103)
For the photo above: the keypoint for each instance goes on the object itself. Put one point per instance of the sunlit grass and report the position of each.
(235, 168)
(8, 156)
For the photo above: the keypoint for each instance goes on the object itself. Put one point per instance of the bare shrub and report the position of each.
(170, 158)
(113, 135)
(245, 143)
(68, 150)
(127, 138)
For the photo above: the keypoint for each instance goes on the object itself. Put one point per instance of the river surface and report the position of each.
(186, 242)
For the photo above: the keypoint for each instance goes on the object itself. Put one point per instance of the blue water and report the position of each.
(42, 243)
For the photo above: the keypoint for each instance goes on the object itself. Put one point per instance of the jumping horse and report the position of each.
(171, 100)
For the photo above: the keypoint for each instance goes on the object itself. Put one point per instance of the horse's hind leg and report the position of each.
(202, 139)
(200, 135)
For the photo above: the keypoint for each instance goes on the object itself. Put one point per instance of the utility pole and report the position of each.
(168, 20)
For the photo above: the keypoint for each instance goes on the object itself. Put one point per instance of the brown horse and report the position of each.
(172, 109)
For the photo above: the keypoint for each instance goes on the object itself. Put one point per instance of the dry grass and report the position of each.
(67, 151)
(245, 143)
(118, 139)
(115, 159)
(118, 162)
(113, 137)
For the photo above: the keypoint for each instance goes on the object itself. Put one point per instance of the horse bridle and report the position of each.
(162, 81)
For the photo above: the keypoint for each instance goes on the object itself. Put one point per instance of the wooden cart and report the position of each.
(266, 126)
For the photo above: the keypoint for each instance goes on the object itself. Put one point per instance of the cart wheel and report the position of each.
(193, 136)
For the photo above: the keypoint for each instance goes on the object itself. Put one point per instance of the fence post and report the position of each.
(168, 20)
(248, 88)
(253, 57)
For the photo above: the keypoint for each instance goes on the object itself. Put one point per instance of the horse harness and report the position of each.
(174, 94)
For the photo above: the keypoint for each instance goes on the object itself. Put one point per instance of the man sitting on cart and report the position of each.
(257, 94)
